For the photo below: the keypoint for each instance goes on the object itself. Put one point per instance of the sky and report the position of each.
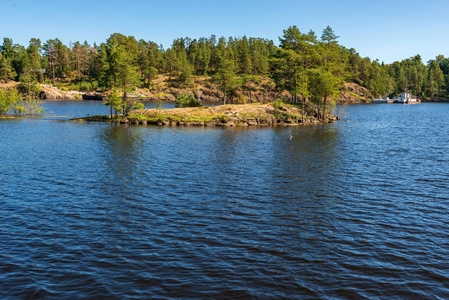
(385, 30)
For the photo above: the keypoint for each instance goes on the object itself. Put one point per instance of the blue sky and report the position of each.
(385, 30)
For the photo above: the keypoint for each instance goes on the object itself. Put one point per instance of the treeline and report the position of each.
(305, 65)
(426, 81)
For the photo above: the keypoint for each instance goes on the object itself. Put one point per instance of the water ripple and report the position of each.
(349, 210)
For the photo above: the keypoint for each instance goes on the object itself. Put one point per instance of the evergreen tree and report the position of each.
(35, 55)
(6, 71)
(127, 77)
(225, 74)
(435, 81)
(100, 65)
(244, 57)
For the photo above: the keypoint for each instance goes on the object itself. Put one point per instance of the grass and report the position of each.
(231, 114)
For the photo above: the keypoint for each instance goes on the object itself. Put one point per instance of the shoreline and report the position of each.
(230, 115)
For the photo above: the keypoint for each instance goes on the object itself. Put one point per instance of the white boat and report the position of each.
(406, 98)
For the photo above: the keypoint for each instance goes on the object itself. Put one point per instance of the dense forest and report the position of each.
(303, 66)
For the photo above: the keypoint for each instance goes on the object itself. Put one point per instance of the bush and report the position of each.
(11, 101)
(278, 104)
(183, 101)
(84, 86)
(241, 99)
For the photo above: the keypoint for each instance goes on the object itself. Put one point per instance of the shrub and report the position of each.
(84, 86)
(183, 101)
(278, 104)
(241, 99)
(12, 102)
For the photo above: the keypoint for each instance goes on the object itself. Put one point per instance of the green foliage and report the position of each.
(6, 70)
(183, 101)
(115, 102)
(84, 86)
(31, 90)
(180, 100)
(137, 105)
(11, 102)
(225, 74)
(235, 65)
(278, 104)
(241, 99)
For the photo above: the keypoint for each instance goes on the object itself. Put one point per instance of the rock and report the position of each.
(56, 94)
(136, 122)
(92, 96)
(252, 122)
(144, 122)
(279, 121)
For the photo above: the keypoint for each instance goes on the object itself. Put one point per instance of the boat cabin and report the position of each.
(407, 98)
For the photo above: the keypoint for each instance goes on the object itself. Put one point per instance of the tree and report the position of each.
(51, 54)
(7, 48)
(303, 88)
(244, 57)
(35, 55)
(6, 71)
(435, 81)
(328, 36)
(115, 102)
(127, 77)
(100, 65)
(183, 101)
(324, 86)
(225, 74)
(250, 83)
(21, 64)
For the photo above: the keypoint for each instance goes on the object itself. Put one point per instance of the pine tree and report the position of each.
(100, 65)
(6, 71)
(127, 77)
(435, 81)
(225, 74)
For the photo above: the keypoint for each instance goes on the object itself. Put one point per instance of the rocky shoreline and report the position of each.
(231, 115)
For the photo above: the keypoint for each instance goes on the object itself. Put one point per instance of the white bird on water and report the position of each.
(291, 136)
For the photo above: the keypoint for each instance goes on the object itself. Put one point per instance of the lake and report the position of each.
(355, 209)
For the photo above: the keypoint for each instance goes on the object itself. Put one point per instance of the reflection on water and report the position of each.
(354, 209)
(122, 154)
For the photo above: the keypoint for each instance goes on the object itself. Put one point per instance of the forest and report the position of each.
(302, 67)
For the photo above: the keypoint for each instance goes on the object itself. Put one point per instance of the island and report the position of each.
(256, 114)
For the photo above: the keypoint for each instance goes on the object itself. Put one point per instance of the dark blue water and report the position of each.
(356, 209)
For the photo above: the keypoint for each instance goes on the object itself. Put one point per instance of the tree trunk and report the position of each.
(291, 88)
(53, 74)
(324, 109)
(125, 102)
(303, 100)
(224, 96)
(319, 110)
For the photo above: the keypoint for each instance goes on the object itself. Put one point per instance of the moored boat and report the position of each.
(406, 98)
